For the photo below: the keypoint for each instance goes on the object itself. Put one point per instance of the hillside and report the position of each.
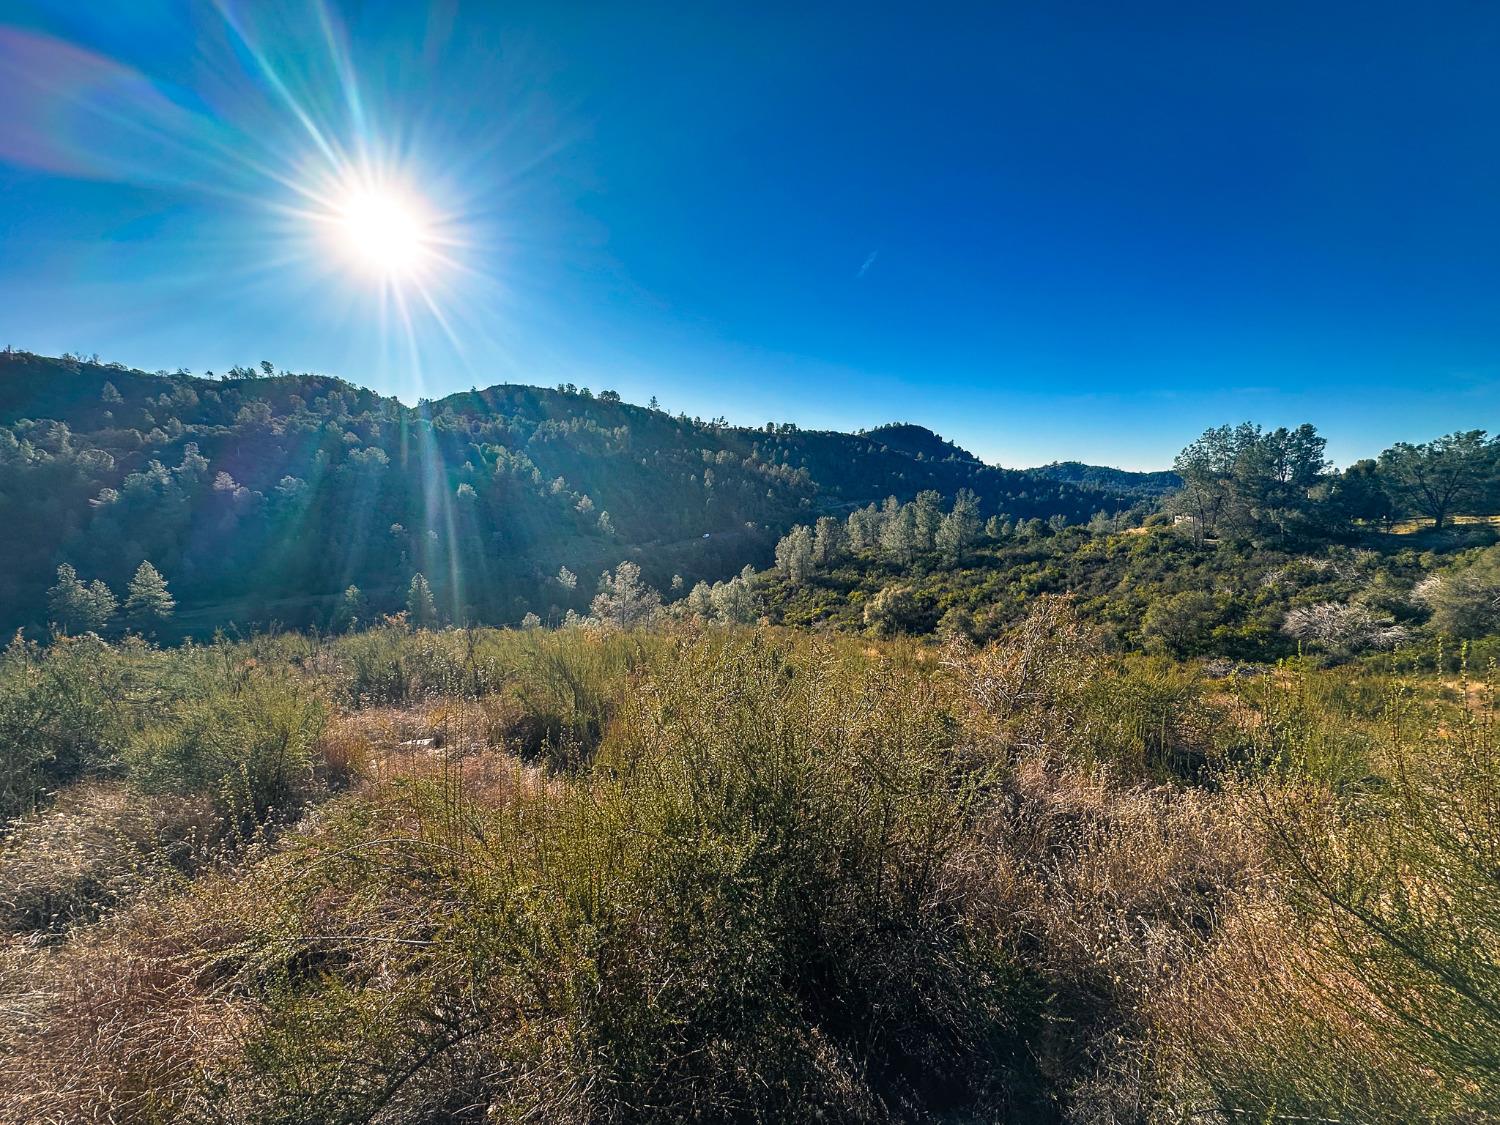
(1120, 480)
(261, 497)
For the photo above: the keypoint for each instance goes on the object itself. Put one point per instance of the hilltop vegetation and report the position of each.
(263, 497)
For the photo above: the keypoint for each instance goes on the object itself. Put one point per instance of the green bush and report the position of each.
(63, 713)
(250, 746)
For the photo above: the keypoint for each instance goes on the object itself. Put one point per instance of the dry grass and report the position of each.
(756, 876)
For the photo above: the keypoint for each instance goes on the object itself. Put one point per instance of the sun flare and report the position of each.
(383, 233)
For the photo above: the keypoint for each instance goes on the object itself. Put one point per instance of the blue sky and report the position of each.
(1047, 230)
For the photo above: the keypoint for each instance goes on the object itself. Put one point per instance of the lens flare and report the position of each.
(383, 233)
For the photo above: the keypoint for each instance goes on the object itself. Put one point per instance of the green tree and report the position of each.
(1249, 484)
(898, 532)
(148, 602)
(1180, 625)
(1357, 494)
(736, 601)
(420, 607)
(624, 601)
(700, 600)
(80, 608)
(830, 541)
(794, 554)
(352, 610)
(894, 610)
(1439, 478)
(959, 529)
(926, 516)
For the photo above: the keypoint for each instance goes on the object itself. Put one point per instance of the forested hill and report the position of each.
(1113, 480)
(263, 496)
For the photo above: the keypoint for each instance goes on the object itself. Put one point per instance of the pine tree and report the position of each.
(927, 515)
(700, 600)
(148, 602)
(351, 611)
(959, 529)
(78, 608)
(898, 533)
(830, 541)
(420, 607)
(623, 599)
(794, 554)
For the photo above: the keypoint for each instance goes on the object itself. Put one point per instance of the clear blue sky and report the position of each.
(1048, 230)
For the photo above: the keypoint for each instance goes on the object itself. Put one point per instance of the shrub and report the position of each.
(60, 714)
(1465, 599)
(1369, 986)
(1180, 625)
(1343, 630)
(894, 610)
(250, 746)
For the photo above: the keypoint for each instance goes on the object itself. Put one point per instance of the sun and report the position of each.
(384, 233)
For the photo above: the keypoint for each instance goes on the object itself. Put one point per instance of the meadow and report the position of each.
(743, 874)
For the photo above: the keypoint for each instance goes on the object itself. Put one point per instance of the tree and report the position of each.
(80, 608)
(794, 554)
(898, 532)
(566, 578)
(1245, 483)
(736, 601)
(830, 541)
(110, 396)
(1275, 480)
(531, 621)
(624, 601)
(420, 607)
(352, 609)
(926, 516)
(1441, 477)
(959, 528)
(864, 528)
(700, 600)
(1357, 494)
(1205, 466)
(148, 603)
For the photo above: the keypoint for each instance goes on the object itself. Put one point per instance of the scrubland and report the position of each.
(740, 874)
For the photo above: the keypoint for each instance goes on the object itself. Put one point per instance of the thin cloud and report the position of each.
(869, 261)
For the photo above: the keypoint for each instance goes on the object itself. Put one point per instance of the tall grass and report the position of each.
(752, 875)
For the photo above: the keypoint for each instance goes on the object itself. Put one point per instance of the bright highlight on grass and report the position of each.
(384, 234)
